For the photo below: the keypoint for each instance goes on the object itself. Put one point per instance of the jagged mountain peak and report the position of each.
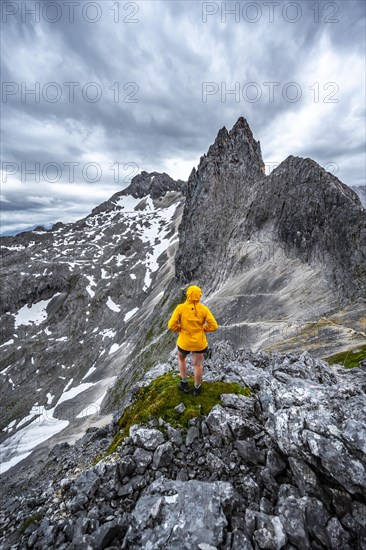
(237, 146)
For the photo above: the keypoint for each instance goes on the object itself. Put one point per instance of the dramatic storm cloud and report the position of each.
(94, 92)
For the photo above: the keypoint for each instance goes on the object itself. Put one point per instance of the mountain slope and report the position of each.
(70, 299)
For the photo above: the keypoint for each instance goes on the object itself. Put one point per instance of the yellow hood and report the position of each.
(193, 293)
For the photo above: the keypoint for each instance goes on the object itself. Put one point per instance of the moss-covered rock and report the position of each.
(159, 399)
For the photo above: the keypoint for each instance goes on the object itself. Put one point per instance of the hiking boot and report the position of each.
(196, 391)
(183, 386)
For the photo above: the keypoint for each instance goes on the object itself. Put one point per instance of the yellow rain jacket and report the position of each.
(192, 320)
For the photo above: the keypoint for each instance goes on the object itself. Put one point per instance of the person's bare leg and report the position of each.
(197, 364)
(182, 365)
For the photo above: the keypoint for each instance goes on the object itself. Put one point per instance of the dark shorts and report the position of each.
(185, 352)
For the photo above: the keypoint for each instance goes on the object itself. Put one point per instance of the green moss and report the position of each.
(159, 399)
(350, 358)
(28, 521)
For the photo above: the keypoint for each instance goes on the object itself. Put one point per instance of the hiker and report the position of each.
(192, 320)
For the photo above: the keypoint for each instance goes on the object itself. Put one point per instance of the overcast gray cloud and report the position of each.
(127, 86)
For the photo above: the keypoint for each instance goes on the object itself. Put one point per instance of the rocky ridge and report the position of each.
(283, 469)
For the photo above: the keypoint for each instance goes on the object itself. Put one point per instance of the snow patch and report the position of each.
(107, 333)
(14, 247)
(127, 203)
(130, 314)
(114, 348)
(155, 234)
(34, 315)
(74, 392)
(50, 398)
(7, 343)
(90, 371)
(91, 283)
(69, 382)
(21, 444)
(112, 306)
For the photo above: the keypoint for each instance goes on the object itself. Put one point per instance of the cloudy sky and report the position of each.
(94, 92)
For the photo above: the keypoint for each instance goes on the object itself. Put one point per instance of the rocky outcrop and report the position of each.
(318, 219)
(282, 469)
(281, 258)
(154, 184)
(301, 209)
(217, 195)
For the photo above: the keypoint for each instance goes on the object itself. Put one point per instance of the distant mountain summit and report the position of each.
(152, 184)
(237, 146)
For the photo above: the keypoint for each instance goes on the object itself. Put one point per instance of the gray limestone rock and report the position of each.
(190, 513)
(335, 457)
(268, 531)
(126, 467)
(163, 455)
(192, 434)
(142, 459)
(108, 531)
(247, 451)
(147, 438)
(305, 478)
(294, 482)
(230, 423)
(274, 463)
(359, 513)
(87, 483)
(317, 518)
(338, 537)
(174, 435)
(292, 517)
